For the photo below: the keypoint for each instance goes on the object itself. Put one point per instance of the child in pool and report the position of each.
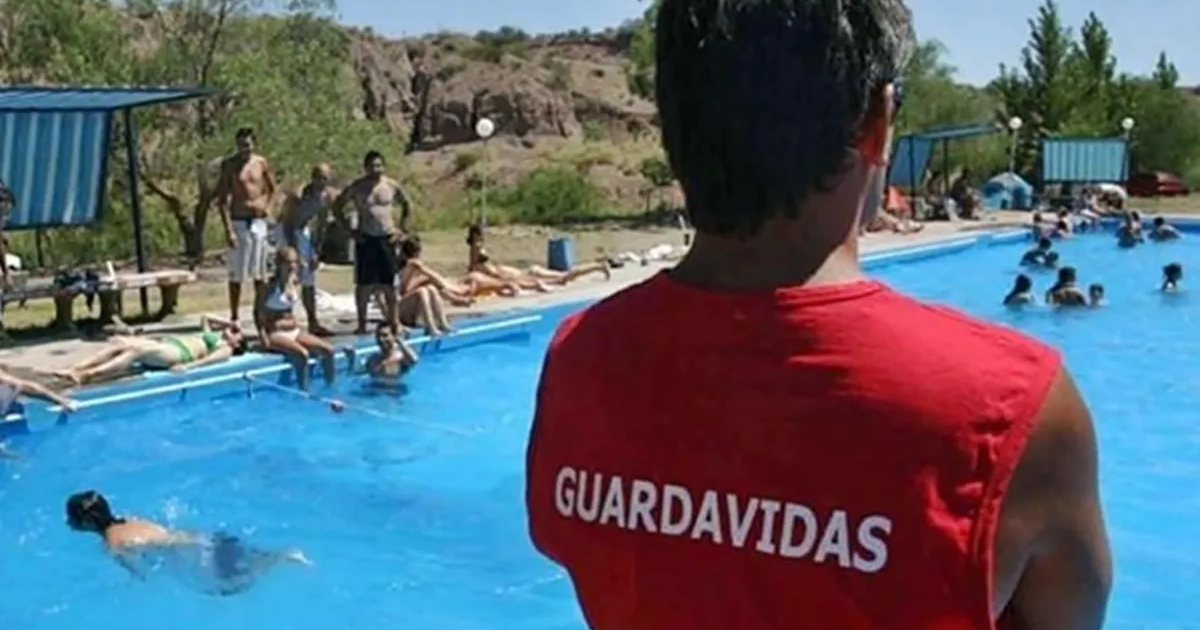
(1172, 275)
(1021, 293)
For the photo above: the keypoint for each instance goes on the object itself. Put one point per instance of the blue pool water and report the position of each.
(423, 528)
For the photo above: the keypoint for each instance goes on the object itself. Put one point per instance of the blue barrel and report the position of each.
(560, 253)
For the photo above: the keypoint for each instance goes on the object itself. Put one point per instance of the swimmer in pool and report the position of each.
(1172, 275)
(1163, 231)
(234, 565)
(1066, 291)
(1130, 232)
(1037, 255)
(1096, 295)
(1021, 293)
(1050, 261)
(394, 358)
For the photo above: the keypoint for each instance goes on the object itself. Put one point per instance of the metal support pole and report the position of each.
(135, 202)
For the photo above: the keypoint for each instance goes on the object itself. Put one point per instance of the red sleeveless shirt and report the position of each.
(821, 458)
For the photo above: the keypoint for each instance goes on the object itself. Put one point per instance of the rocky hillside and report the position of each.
(554, 100)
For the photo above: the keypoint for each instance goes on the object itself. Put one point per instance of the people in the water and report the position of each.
(1163, 231)
(1095, 295)
(234, 565)
(1130, 233)
(1021, 293)
(1038, 255)
(394, 358)
(1065, 291)
(1172, 276)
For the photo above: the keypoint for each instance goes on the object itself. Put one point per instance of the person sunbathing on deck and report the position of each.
(217, 341)
(282, 333)
(1096, 295)
(1037, 256)
(479, 261)
(1066, 291)
(394, 358)
(234, 566)
(1172, 275)
(416, 274)
(1163, 231)
(1021, 293)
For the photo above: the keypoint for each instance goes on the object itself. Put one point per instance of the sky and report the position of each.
(979, 34)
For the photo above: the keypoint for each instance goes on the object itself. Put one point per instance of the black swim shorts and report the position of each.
(375, 261)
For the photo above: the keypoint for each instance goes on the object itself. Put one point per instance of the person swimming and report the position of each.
(1163, 231)
(1021, 293)
(1037, 255)
(233, 565)
(1172, 275)
(394, 358)
(1096, 295)
(1066, 291)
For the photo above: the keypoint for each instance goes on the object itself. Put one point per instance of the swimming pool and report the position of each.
(422, 526)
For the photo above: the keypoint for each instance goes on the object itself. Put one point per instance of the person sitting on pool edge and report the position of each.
(1021, 293)
(1163, 231)
(283, 333)
(235, 565)
(12, 388)
(1172, 275)
(1065, 291)
(1037, 255)
(217, 341)
(1096, 295)
(394, 358)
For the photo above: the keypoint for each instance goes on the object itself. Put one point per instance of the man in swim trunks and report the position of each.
(243, 196)
(302, 225)
(394, 358)
(376, 235)
(763, 436)
(234, 565)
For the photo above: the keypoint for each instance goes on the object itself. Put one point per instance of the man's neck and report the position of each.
(768, 261)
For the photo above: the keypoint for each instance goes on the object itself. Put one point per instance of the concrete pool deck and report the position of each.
(38, 360)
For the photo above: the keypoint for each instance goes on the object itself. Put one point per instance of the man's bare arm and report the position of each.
(287, 218)
(268, 180)
(337, 208)
(405, 206)
(1053, 525)
(223, 193)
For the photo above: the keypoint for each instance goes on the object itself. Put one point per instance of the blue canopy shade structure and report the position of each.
(54, 148)
(911, 153)
(1007, 191)
(1085, 160)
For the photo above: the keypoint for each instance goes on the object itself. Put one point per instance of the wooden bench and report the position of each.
(109, 293)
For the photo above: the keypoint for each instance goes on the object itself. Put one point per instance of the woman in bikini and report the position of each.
(283, 333)
(217, 341)
(416, 274)
(478, 261)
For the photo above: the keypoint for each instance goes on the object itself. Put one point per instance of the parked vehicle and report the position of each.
(1156, 184)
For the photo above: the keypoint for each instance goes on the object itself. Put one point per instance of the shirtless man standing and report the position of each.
(296, 229)
(376, 236)
(243, 196)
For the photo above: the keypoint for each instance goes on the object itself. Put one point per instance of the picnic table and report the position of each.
(108, 291)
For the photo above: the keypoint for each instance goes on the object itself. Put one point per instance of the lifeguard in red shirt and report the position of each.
(765, 438)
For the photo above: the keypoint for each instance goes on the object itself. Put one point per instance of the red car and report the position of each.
(1157, 184)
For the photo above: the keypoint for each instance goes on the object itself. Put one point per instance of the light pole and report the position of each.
(484, 128)
(1127, 124)
(1014, 126)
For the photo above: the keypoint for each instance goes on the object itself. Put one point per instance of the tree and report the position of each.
(1166, 75)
